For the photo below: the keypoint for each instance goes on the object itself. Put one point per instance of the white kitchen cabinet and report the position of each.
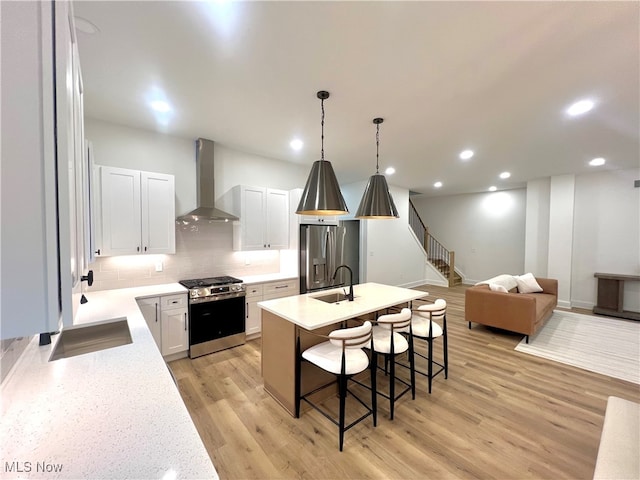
(175, 331)
(252, 312)
(150, 308)
(137, 212)
(167, 319)
(264, 218)
(258, 292)
(42, 123)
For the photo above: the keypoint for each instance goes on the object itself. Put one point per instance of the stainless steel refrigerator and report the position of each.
(322, 249)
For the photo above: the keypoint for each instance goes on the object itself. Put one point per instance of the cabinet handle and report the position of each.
(264, 245)
(282, 286)
(97, 252)
(156, 312)
(174, 301)
(145, 248)
(137, 249)
(87, 278)
(247, 310)
(185, 321)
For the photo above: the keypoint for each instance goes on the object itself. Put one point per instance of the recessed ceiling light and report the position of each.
(504, 175)
(437, 184)
(580, 107)
(296, 144)
(390, 171)
(493, 188)
(160, 106)
(466, 154)
(596, 162)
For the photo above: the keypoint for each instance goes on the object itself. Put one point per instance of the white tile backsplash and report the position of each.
(202, 250)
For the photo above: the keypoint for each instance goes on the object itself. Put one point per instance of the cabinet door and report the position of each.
(277, 219)
(253, 218)
(150, 308)
(252, 323)
(175, 331)
(120, 189)
(158, 213)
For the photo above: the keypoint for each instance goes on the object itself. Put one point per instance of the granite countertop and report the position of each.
(110, 414)
(310, 313)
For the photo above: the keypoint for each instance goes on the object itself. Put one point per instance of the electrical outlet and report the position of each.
(159, 266)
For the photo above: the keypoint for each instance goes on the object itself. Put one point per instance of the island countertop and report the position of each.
(109, 414)
(310, 313)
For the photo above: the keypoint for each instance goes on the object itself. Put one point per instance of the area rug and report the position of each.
(599, 344)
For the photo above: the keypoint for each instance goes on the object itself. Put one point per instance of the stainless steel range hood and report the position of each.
(206, 209)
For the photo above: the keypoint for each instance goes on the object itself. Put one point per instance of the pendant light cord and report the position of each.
(377, 147)
(322, 134)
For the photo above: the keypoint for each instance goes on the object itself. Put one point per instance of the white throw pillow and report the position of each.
(507, 281)
(497, 288)
(527, 284)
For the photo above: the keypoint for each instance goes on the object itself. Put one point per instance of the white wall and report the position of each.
(390, 253)
(606, 235)
(537, 227)
(485, 230)
(561, 207)
(201, 250)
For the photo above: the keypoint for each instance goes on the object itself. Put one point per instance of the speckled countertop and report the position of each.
(310, 313)
(111, 414)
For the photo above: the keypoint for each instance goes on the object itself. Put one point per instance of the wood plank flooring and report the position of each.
(501, 414)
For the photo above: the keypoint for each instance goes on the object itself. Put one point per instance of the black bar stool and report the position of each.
(343, 355)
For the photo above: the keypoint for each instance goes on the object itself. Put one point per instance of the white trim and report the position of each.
(581, 304)
(564, 304)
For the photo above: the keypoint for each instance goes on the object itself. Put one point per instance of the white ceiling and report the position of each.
(494, 77)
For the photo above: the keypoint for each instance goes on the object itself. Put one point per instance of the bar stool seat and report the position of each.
(424, 326)
(388, 341)
(343, 355)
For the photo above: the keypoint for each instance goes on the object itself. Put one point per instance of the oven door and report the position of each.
(216, 325)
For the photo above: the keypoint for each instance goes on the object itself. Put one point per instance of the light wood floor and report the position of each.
(501, 414)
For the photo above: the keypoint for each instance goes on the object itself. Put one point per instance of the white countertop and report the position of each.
(267, 277)
(110, 414)
(310, 313)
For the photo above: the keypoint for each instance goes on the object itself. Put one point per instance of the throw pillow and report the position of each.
(497, 288)
(527, 284)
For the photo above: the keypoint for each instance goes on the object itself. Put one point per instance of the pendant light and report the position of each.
(377, 203)
(321, 195)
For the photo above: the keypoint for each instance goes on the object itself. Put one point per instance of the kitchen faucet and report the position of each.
(350, 294)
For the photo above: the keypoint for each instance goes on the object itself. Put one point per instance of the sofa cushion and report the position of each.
(527, 283)
(496, 287)
(507, 281)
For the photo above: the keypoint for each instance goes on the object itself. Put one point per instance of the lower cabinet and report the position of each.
(168, 320)
(265, 291)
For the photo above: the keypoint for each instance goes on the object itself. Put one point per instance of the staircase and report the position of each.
(437, 254)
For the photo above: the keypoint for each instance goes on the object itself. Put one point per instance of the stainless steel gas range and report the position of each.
(216, 314)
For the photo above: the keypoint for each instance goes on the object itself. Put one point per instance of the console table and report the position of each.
(611, 295)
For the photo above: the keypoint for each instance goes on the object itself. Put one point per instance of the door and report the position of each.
(277, 219)
(120, 189)
(253, 218)
(158, 213)
(175, 331)
(150, 308)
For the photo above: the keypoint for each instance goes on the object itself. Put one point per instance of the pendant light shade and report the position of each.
(377, 203)
(322, 195)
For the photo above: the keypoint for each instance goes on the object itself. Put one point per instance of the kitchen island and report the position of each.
(284, 320)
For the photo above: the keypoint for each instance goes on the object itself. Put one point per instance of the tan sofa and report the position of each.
(523, 313)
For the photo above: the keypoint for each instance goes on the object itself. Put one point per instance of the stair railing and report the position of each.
(437, 254)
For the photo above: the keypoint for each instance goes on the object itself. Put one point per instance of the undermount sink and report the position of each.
(332, 297)
(91, 338)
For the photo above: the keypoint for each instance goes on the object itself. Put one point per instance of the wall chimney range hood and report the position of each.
(206, 209)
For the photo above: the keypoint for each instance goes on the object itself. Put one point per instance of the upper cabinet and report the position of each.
(295, 196)
(264, 218)
(43, 158)
(137, 212)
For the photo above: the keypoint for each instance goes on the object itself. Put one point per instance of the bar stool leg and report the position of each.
(342, 381)
(374, 392)
(445, 347)
(412, 368)
(392, 386)
(430, 361)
